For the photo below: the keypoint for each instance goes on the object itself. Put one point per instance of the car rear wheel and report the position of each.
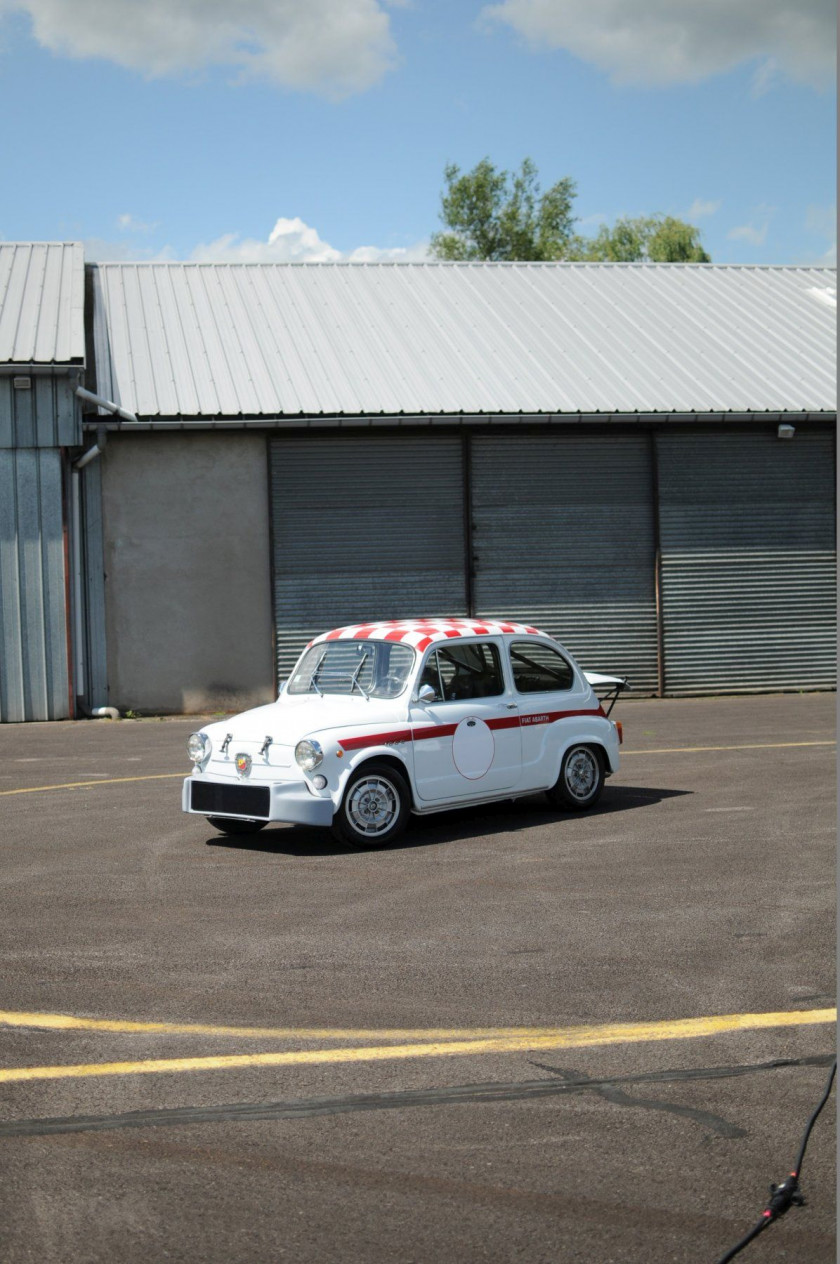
(581, 778)
(233, 825)
(375, 807)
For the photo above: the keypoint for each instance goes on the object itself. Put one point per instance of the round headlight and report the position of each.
(308, 754)
(198, 747)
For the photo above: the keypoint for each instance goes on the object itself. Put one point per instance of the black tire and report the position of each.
(234, 825)
(375, 807)
(581, 778)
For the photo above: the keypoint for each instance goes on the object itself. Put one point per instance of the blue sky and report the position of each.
(308, 129)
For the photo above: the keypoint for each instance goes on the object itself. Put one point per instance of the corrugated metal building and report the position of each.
(602, 450)
(42, 351)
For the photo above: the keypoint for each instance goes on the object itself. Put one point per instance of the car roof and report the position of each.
(421, 633)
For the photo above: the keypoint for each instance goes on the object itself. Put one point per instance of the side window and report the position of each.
(538, 668)
(458, 672)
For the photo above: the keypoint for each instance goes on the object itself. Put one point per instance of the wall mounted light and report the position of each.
(785, 431)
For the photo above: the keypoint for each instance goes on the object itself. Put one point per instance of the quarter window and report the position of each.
(458, 672)
(538, 668)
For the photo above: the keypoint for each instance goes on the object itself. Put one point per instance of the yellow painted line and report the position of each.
(570, 1038)
(69, 1022)
(110, 781)
(690, 750)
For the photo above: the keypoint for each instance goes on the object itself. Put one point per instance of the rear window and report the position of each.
(538, 668)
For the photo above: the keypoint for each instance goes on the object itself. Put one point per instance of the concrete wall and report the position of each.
(187, 572)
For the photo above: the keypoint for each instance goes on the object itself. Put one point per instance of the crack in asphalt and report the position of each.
(617, 1097)
(564, 1082)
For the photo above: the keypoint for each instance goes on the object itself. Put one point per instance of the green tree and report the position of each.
(646, 239)
(492, 214)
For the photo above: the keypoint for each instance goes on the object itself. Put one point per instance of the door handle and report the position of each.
(512, 706)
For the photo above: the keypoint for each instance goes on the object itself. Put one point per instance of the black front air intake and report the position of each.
(220, 800)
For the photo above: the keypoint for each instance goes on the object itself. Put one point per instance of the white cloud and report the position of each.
(334, 47)
(752, 234)
(700, 209)
(821, 221)
(294, 241)
(766, 77)
(129, 223)
(682, 41)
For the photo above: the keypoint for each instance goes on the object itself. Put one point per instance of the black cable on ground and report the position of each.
(786, 1195)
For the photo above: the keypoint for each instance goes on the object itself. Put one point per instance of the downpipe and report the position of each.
(107, 404)
(92, 713)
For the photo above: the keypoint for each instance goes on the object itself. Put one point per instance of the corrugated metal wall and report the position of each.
(748, 560)
(47, 415)
(563, 530)
(563, 537)
(364, 527)
(34, 682)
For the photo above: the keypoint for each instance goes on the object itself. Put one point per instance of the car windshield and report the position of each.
(370, 669)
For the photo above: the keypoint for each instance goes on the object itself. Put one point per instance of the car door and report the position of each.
(550, 699)
(466, 739)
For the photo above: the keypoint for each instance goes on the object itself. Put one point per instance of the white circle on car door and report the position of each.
(473, 748)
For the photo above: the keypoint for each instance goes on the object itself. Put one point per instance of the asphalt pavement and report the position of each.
(517, 1035)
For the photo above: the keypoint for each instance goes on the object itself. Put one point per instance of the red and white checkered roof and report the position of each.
(420, 633)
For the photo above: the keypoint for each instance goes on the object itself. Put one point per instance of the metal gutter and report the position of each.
(333, 422)
(19, 369)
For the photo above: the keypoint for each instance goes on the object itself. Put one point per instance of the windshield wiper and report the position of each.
(354, 679)
(313, 679)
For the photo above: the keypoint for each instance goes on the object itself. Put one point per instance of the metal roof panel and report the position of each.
(287, 340)
(42, 290)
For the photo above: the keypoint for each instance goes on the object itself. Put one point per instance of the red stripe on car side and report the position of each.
(446, 730)
(434, 730)
(375, 739)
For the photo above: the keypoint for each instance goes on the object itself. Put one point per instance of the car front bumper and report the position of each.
(287, 801)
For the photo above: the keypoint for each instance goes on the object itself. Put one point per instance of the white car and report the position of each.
(382, 719)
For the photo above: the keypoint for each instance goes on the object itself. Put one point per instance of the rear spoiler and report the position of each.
(607, 687)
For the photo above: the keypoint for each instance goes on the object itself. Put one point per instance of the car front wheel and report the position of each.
(581, 778)
(375, 807)
(233, 825)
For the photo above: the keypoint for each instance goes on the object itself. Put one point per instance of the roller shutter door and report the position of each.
(748, 560)
(563, 537)
(364, 527)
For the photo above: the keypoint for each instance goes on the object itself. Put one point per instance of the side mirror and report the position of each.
(425, 694)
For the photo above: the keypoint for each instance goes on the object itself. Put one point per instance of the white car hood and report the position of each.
(292, 717)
